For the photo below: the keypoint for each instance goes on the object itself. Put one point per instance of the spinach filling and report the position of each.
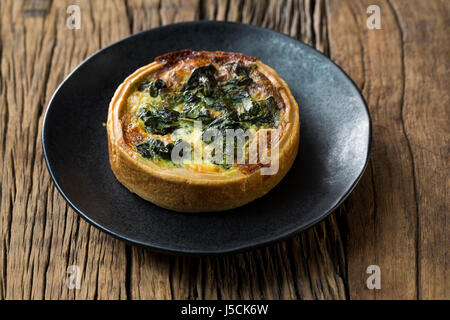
(218, 105)
(153, 148)
(159, 121)
(153, 87)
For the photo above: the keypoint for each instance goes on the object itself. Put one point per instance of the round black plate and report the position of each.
(334, 142)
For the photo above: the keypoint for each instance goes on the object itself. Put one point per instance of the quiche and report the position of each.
(199, 131)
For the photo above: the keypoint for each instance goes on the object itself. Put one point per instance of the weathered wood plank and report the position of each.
(401, 69)
(40, 235)
(425, 45)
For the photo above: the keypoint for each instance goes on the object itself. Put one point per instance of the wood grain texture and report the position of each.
(396, 218)
(426, 65)
(388, 65)
(392, 241)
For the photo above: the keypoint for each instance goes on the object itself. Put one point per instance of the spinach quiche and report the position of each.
(198, 131)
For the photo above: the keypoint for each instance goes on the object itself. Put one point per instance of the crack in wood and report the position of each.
(129, 15)
(413, 173)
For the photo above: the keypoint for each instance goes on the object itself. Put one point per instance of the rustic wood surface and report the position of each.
(397, 217)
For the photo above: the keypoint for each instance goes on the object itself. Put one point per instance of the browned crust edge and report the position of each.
(172, 58)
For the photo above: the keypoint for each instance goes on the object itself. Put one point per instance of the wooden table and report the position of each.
(397, 218)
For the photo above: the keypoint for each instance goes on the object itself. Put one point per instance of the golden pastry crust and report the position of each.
(181, 188)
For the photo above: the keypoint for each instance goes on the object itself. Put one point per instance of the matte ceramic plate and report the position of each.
(334, 143)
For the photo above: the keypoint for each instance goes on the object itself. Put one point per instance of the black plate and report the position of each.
(334, 142)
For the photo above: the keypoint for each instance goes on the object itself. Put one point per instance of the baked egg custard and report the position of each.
(198, 131)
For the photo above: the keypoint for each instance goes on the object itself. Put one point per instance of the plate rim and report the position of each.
(197, 252)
